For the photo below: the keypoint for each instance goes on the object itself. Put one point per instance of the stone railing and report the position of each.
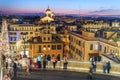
(78, 65)
(84, 66)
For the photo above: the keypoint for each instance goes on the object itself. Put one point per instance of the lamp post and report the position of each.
(24, 59)
(24, 55)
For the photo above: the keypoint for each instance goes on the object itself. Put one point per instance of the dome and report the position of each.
(48, 9)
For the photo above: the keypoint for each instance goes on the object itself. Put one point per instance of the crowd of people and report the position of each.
(106, 66)
(10, 67)
(92, 69)
(42, 61)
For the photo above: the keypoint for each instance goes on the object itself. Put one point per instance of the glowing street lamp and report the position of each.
(24, 55)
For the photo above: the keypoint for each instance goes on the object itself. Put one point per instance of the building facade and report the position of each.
(47, 43)
(20, 33)
(85, 47)
(95, 26)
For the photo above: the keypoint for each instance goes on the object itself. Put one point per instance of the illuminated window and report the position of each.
(44, 47)
(48, 47)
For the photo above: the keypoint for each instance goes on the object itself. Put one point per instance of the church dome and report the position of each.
(48, 9)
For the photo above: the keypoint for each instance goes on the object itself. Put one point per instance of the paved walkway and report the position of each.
(60, 74)
(97, 71)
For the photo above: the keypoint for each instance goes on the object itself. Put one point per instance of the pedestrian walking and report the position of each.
(44, 61)
(58, 61)
(20, 63)
(49, 60)
(65, 62)
(3, 60)
(35, 62)
(54, 61)
(28, 65)
(31, 62)
(94, 66)
(6, 65)
(104, 67)
(39, 59)
(15, 68)
(108, 67)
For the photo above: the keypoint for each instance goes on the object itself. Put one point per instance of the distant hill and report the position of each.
(57, 14)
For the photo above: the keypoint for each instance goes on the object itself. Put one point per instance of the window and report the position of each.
(73, 48)
(44, 47)
(14, 38)
(105, 50)
(31, 32)
(111, 51)
(48, 38)
(100, 47)
(59, 47)
(91, 46)
(44, 32)
(53, 47)
(76, 51)
(76, 41)
(79, 43)
(48, 47)
(48, 32)
(44, 38)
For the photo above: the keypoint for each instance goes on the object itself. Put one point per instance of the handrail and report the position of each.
(117, 61)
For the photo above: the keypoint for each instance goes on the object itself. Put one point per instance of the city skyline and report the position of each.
(82, 7)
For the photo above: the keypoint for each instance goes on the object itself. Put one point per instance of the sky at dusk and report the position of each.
(82, 7)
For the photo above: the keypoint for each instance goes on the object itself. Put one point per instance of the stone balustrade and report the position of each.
(115, 68)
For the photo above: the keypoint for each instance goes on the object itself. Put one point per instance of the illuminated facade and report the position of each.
(19, 31)
(46, 43)
(95, 26)
(49, 16)
(115, 25)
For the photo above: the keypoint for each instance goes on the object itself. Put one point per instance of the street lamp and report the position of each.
(24, 55)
